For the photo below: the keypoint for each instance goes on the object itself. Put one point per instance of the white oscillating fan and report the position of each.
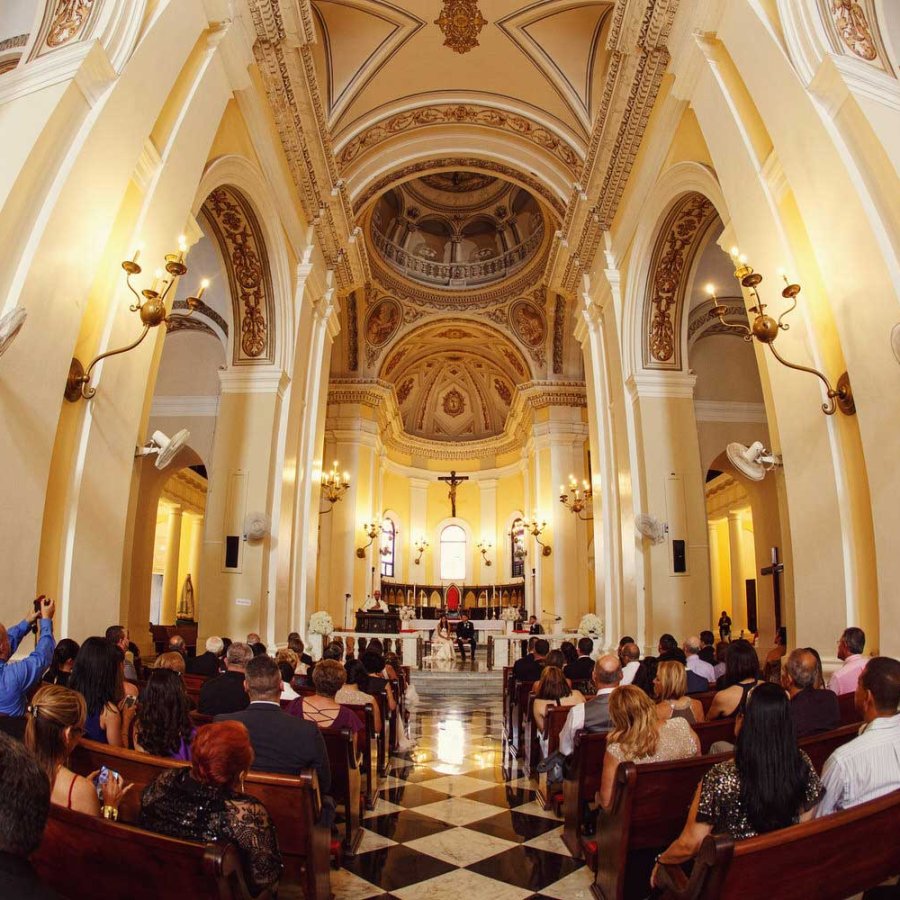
(651, 528)
(752, 462)
(166, 448)
(256, 526)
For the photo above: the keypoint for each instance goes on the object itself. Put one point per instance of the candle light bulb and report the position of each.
(742, 259)
(182, 243)
(710, 289)
(204, 284)
(137, 251)
(158, 274)
(735, 253)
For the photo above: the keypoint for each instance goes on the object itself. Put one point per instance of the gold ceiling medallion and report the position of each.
(461, 21)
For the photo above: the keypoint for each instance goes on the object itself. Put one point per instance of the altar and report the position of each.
(375, 622)
(482, 626)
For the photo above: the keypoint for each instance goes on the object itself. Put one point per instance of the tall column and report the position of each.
(714, 564)
(488, 490)
(736, 551)
(195, 557)
(418, 507)
(170, 576)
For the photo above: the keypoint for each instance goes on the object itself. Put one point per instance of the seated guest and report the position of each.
(813, 711)
(171, 660)
(707, 647)
(553, 690)
(62, 662)
(296, 644)
(779, 648)
(465, 636)
(696, 665)
(322, 708)
(287, 676)
(55, 724)
(645, 676)
(769, 784)
(850, 648)
(668, 649)
(629, 656)
(638, 735)
(17, 678)
(258, 649)
(356, 692)
(868, 767)
(378, 682)
(721, 655)
(133, 656)
(569, 651)
(253, 638)
(177, 645)
(281, 743)
(529, 667)
(162, 724)
(208, 663)
(583, 666)
(24, 805)
(205, 803)
(820, 675)
(671, 695)
(118, 635)
(741, 676)
(97, 676)
(626, 639)
(593, 715)
(226, 692)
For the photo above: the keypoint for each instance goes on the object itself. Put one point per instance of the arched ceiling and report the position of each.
(455, 380)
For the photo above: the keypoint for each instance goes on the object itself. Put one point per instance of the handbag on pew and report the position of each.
(554, 765)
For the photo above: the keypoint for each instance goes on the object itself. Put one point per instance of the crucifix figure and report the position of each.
(454, 481)
(775, 570)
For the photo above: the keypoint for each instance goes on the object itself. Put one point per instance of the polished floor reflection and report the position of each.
(451, 821)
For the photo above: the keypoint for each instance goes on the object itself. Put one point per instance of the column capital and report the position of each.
(248, 380)
(675, 385)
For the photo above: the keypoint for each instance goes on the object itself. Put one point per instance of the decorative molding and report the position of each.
(461, 22)
(174, 324)
(559, 324)
(666, 385)
(19, 40)
(148, 166)
(352, 334)
(238, 234)
(703, 323)
(183, 406)
(851, 26)
(730, 411)
(478, 115)
(63, 22)
(254, 381)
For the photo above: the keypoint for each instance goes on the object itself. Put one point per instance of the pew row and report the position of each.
(81, 854)
(293, 802)
(343, 758)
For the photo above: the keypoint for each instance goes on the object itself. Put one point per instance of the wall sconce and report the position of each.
(576, 498)
(421, 546)
(152, 310)
(483, 547)
(765, 329)
(536, 528)
(371, 533)
(334, 486)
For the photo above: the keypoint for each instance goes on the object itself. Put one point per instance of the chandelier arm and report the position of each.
(829, 408)
(787, 312)
(134, 307)
(88, 392)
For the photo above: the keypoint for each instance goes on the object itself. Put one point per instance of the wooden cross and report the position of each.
(775, 570)
(454, 481)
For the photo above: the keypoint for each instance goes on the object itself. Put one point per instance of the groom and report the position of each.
(465, 634)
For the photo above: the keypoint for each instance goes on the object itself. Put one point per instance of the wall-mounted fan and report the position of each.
(256, 526)
(655, 530)
(166, 448)
(10, 325)
(754, 461)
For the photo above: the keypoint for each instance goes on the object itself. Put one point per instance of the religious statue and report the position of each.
(454, 481)
(186, 602)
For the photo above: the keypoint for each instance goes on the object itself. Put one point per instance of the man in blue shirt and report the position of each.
(17, 677)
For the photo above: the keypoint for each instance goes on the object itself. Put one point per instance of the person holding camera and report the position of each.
(17, 678)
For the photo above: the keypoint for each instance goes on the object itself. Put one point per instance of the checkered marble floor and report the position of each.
(456, 819)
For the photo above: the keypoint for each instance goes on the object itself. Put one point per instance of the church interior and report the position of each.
(582, 311)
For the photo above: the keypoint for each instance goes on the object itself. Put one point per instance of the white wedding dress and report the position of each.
(442, 649)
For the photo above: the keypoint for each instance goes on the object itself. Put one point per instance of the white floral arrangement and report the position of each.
(407, 613)
(591, 625)
(320, 623)
(509, 614)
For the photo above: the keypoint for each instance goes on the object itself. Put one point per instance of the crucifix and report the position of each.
(454, 481)
(775, 570)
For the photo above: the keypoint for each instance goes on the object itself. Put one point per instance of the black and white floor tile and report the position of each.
(455, 818)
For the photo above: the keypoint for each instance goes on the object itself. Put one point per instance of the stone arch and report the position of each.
(237, 204)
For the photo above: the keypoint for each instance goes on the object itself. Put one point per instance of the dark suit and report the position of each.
(465, 634)
(223, 694)
(815, 711)
(283, 744)
(527, 669)
(206, 664)
(696, 684)
(580, 670)
(708, 655)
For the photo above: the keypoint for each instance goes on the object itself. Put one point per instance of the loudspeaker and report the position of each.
(232, 550)
(679, 563)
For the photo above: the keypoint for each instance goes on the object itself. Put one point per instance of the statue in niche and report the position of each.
(186, 601)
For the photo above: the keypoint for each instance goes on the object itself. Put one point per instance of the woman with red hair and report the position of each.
(205, 803)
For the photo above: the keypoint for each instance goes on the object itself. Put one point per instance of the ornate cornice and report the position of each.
(703, 323)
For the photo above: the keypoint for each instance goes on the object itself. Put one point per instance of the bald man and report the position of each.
(17, 678)
(593, 715)
(630, 657)
(813, 711)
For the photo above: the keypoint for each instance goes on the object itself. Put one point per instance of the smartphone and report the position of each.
(37, 609)
(103, 778)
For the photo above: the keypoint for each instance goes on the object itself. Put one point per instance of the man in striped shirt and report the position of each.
(867, 767)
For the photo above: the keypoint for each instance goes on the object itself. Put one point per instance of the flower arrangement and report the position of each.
(509, 614)
(407, 613)
(591, 625)
(320, 623)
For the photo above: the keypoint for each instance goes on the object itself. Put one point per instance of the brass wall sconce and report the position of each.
(421, 546)
(576, 498)
(371, 532)
(535, 528)
(334, 486)
(765, 329)
(152, 310)
(483, 547)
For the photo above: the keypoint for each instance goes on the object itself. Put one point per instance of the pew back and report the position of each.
(581, 783)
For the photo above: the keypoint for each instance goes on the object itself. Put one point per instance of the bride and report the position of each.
(442, 642)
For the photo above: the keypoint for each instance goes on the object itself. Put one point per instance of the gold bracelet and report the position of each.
(110, 812)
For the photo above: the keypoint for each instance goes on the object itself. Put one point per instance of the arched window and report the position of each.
(517, 548)
(388, 548)
(453, 553)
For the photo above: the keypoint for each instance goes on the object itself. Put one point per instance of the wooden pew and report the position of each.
(716, 730)
(580, 785)
(192, 685)
(549, 794)
(293, 802)
(521, 693)
(507, 700)
(649, 807)
(847, 705)
(87, 855)
(345, 783)
(830, 858)
(706, 698)
(366, 715)
(531, 746)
